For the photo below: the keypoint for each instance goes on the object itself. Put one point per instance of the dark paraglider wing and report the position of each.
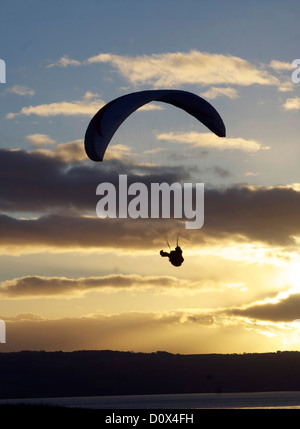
(107, 120)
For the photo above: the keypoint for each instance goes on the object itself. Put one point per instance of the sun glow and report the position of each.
(291, 275)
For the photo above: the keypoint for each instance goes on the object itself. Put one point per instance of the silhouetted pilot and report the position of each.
(175, 256)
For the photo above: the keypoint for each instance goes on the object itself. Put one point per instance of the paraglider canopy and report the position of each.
(107, 120)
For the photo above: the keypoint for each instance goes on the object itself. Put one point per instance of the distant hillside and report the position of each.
(87, 373)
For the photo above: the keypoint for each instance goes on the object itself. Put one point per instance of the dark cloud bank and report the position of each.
(58, 193)
(284, 310)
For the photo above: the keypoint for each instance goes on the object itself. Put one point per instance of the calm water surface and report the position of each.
(177, 401)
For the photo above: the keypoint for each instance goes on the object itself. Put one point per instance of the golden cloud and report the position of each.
(130, 331)
(38, 286)
(280, 65)
(64, 61)
(21, 90)
(285, 307)
(66, 152)
(29, 287)
(40, 139)
(292, 104)
(178, 68)
(211, 141)
(88, 105)
(215, 92)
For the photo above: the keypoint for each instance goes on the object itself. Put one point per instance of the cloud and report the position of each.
(74, 151)
(29, 287)
(21, 90)
(39, 139)
(292, 104)
(64, 61)
(25, 316)
(34, 182)
(65, 194)
(286, 86)
(283, 66)
(43, 180)
(242, 214)
(215, 92)
(88, 105)
(211, 141)
(220, 172)
(280, 65)
(58, 232)
(258, 213)
(283, 308)
(172, 69)
(215, 331)
(150, 106)
(38, 286)
(119, 152)
(250, 173)
(179, 68)
(66, 152)
(125, 331)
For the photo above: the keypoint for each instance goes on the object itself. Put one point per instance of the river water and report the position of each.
(255, 400)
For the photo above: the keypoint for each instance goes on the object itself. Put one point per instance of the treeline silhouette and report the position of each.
(28, 374)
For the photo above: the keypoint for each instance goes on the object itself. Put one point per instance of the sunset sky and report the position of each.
(72, 281)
